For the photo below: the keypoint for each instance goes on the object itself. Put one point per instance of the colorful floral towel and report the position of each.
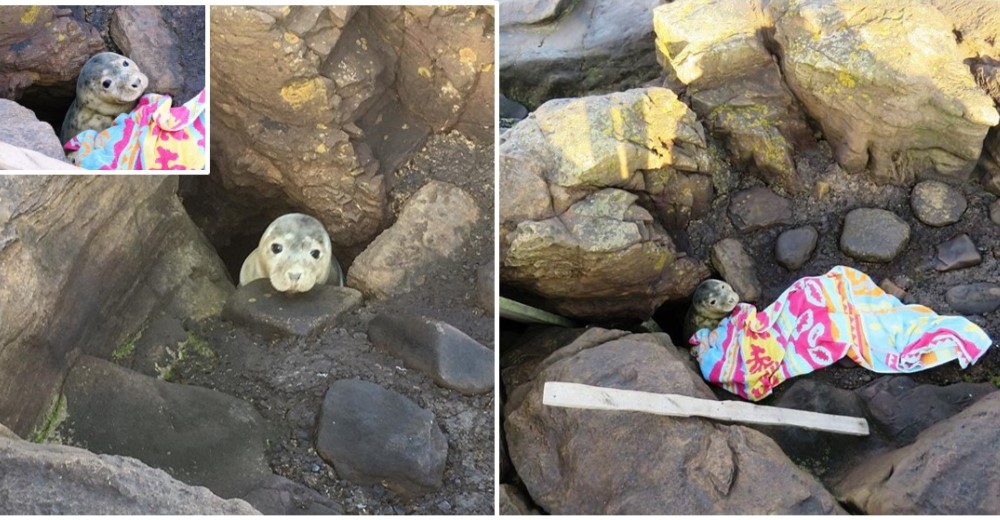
(153, 136)
(821, 319)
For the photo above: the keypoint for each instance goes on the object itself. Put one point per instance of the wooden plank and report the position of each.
(517, 311)
(575, 395)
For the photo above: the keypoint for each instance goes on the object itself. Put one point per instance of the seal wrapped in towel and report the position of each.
(819, 320)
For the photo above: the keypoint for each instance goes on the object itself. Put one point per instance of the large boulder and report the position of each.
(335, 100)
(42, 46)
(200, 436)
(571, 176)
(89, 260)
(953, 468)
(566, 49)
(716, 49)
(20, 127)
(648, 464)
(49, 479)
(900, 107)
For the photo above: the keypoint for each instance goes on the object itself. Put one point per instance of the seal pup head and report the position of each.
(109, 82)
(714, 298)
(295, 250)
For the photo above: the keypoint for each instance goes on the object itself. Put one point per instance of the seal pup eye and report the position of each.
(124, 64)
(315, 253)
(106, 83)
(276, 248)
(712, 302)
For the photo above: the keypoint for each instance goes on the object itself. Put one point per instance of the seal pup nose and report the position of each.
(136, 84)
(294, 276)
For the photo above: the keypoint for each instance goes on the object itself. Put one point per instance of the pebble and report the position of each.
(957, 253)
(995, 212)
(888, 286)
(737, 268)
(937, 204)
(974, 298)
(759, 208)
(794, 247)
(874, 235)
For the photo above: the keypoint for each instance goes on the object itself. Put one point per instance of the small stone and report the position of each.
(485, 291)
(822, 189)
(957, 253)
(974, 298)
(260, 307)
(937, 204)
(794, 247)
(874, 235)
(510, 109)
(446, 354)
(995, 212)
(736, 268)
(759, 208)
(373, 435)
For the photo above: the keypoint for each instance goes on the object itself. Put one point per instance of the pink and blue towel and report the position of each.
(153, 136)
(819, 320)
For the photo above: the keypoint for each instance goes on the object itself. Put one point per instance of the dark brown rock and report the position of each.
(259, 306)
(975, 298)
(737, 268)
(957, 253)
(759, 208)
(141, 34)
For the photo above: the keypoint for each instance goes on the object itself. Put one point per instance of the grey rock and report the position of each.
(901, 408)
(259, 306)
(20, 127)
(794, 247)
(974, 298)
(446, 354)
(154, 345)
(528, 12)
(512, 109)
(621, 463)
(874, 235)
(372, 435)
(737, 268)
(199, 436)
(995, 212)
(514, 502)
(279, 496)
(951, 469)
(142, 34)
(937, 204)
(759, 208)
(50, 479)
(957, 253)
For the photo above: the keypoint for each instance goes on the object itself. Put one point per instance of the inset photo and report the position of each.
(103, 88)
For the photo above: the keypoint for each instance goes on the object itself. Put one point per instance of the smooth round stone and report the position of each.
(794, 247)
(974, 298)
(874, 235)
(937, 204)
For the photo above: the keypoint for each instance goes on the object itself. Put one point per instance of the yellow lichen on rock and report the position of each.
(30, 15)
(301, 92)
(467, 56)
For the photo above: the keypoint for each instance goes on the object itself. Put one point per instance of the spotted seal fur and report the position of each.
(109, 84)
(295, 254)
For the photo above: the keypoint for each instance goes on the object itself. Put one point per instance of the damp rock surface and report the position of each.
(259, 306)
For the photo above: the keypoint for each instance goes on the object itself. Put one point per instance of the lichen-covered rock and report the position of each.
(42, 46)
(649, 464)
(937, 204)
(20, 127)
(597, 45)
(336, 99)
(900, 107)
(434, 224)
(716, 50)
(93, 259)
(571, 229)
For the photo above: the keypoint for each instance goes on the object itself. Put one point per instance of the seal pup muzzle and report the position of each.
(295, 254)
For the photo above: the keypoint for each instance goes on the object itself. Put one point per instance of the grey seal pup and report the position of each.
(713, 300)
(109, 84)
(295, 254)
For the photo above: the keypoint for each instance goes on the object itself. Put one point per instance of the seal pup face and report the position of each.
(296, 250)
(109, 82)
(715, 298)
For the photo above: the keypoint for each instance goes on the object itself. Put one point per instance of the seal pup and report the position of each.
(294, 254)
(713, 300)
(109, 84)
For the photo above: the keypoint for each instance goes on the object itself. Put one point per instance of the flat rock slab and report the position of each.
(874, 235)
(446, 354)
(199, 436)
(372, 435)
(759, 208)
(957, 253)
(794, 247)
(737, 268)
(974, 298)
(51, 479)
(259, 306)
(279, 496)
(937, 204)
